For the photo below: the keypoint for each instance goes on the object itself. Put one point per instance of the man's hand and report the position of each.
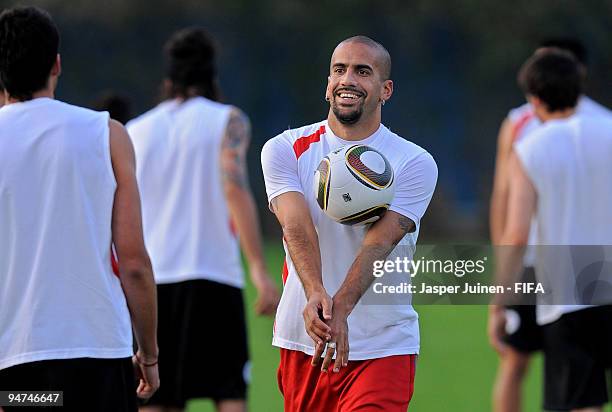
(318, 310)
(338, 344)
(496, 328)
(148, 376)
(267, 293)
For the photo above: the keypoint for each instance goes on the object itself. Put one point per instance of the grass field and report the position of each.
(455, 370)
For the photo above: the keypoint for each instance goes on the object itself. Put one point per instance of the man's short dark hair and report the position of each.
(190, 64)
(29, 42)
(116, 104)
(570, 44)
(554, 77)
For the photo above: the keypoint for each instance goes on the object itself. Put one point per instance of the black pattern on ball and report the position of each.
(364, 174)
(364, 215)
(324, 179)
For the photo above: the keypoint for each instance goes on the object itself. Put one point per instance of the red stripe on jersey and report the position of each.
(114, 262)
(284, 275)
(520, 123)
(285, 272)
(232, 228)
(303, 143)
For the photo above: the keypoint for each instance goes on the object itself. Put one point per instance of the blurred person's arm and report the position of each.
(499, 195)
(522, 201)
(135, 269)
(287, 202)
(243, 210)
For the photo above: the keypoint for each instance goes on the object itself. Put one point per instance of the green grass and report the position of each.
(455, 370)
(457, 366)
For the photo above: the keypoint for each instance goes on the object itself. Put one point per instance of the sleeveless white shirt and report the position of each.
(524, 122)
(59, 298)
(187, 226)
(569, 163)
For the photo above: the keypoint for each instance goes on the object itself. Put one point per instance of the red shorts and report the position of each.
(384, 384)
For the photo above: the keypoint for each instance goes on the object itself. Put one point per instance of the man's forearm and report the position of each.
(508, 267)
(140, 292)
(497, 214)
(244, 215)
(381, 238)
(359, 277)
(303, 244)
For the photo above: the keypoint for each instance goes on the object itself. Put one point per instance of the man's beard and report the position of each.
(351, 117)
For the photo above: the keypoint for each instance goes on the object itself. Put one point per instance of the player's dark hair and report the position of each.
(190, 64)
(554, 77)
(386, 57)
(572, 45)
(29, 42)
(116, 104)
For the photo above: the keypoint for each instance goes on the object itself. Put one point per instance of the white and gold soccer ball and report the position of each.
(354, 185)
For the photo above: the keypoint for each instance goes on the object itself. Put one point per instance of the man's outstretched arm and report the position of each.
(415, 185)
(302, 241)
(379, 241)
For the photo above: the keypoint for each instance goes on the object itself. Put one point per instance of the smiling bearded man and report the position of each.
(325, 259)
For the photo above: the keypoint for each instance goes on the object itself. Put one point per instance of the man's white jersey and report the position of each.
(187, 226)
(524, 121)
(289, 161)
(569, 162)
(59, 297)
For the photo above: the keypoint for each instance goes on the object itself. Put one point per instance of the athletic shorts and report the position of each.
(202, 343)
(577, 357)
(96, 385)
(522, 331)
(383, 384)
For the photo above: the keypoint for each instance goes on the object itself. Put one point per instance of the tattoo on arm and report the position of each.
(406, 224)
(234, 149)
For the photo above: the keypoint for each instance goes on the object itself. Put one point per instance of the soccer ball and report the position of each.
(354, 185)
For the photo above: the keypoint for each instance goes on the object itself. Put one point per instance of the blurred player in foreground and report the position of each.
(328, 266)
(192, 172)
(67, 191)
(523, 334)
(561, 176)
